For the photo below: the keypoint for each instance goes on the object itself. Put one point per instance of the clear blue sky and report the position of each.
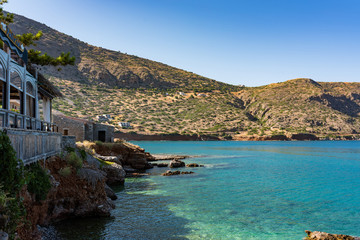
(250, 42)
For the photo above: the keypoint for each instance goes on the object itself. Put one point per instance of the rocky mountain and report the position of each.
(103, 67)
(159, 99)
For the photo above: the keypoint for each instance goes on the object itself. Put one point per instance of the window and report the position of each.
(66, 132)
(2, 72)
(15, 79)
(2, 94)
(30, 89)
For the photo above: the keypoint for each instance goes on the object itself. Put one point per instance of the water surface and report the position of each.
(247, 190)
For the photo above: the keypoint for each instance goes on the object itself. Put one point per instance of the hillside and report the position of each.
(157, 98)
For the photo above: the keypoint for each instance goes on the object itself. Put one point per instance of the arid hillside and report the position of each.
(159, 99)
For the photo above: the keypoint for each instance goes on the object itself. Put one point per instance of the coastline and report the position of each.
(239, 137)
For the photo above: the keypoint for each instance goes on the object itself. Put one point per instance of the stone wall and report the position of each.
(75, 127)
(68, 141)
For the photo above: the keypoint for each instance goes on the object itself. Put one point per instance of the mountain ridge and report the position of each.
(159, 99)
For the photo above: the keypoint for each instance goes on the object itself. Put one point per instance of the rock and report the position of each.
(114, 159)
(162, 165)
(172, 173)
(304, 136)
(115, 174)
(176, 164)
(3, 235)
(129, 169)
(327, 236)
(92, 161)
(194, 165)
(110, 193)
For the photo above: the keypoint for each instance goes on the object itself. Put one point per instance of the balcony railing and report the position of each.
(10, 119)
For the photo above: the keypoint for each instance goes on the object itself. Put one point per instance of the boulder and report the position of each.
(162, 165)
(115, 174)
(110, 193)
(172, 173)
(194, 165)
(176, 164)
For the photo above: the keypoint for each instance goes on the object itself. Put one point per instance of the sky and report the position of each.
(243, 42)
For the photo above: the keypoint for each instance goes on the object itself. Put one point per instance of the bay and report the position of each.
(247, 190)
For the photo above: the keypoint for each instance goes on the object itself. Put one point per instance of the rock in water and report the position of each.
(176, 164)
(327, 236)
(172, 173)
(115, 174)
(110, 193)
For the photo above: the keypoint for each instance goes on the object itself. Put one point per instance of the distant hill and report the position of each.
(96, 65)
(160, 99)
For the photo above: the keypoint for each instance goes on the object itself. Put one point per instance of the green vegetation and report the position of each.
(65, 172)
(74, 161)
(11, 181)
(38, 181)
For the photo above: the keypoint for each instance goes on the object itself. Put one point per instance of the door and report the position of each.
(102, 136)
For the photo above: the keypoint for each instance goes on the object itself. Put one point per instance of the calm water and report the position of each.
(247, 190)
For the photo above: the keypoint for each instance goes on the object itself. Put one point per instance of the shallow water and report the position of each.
(247, 190)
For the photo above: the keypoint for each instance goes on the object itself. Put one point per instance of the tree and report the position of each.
(29, 39)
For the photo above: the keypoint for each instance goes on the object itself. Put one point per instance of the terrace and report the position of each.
(25, 104)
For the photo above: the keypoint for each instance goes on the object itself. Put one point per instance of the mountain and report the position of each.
(160, 99)
(95, 65)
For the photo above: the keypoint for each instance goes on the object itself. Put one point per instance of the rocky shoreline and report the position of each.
(235, 137)
(87, 193)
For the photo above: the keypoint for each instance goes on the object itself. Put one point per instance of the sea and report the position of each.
(246, 190)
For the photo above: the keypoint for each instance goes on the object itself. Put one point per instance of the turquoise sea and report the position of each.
(247, 190)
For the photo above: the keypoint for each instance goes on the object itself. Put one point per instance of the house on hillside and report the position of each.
(22, 91)
(84, 129)
(103, 118)
(125, 125)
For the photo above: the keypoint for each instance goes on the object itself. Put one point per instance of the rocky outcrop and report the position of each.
(172, 173)
(122, 152)
(193, 165)
(115, 174)
(176, 164)
(327, 236)
(76, 195)
(304, 136)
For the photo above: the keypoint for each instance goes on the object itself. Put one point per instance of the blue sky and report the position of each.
(250, 42)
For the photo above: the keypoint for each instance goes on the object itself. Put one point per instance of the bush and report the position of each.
(74, 160)
(65, 172)
(38, 181)
(11, 179)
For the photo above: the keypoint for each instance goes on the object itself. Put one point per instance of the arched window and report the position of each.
(2, 72)
(30, 89)
(15, 79)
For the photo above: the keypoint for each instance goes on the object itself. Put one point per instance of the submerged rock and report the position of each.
(162, 165)
(176, 164)
(172, 173)
(194, 165)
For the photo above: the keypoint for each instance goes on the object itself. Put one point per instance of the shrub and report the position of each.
(38, 181)
(65, 172)
(74, 160)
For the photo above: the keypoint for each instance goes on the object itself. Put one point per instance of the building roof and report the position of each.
(44, 85)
